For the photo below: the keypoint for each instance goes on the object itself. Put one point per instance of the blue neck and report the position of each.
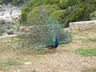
(56, 42)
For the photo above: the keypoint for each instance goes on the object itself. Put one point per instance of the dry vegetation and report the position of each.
(66, 58)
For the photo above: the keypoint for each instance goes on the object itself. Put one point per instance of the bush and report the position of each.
(24, 14)
(51, 8)
(48, 9)
(89, 7)
(57, 14)
(63, 4)
(45, 9)
(73, 2)
(55, 1)
(93, 16)
(76, 10)
(64, 15)
(16, 2)
(77, 16)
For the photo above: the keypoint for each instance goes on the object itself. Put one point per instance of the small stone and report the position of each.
(65, 71)
(28, 69)
(10, 32)
(18, 71)
(25, 58)
(86, 64)
(28, 63)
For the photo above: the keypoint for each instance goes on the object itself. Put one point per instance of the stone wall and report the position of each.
(83, 25)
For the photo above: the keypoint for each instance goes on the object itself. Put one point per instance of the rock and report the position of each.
(25, 58)
(18, 71)
(28, 63)
(28, 69)
(66, 29)
(86, 64)
(9, 13)
(10, 32)
(16, 32)
(4, 34)
(6, 28)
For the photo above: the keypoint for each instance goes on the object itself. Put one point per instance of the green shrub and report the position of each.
(63, 15)
(51, 8)
(89, 7)
(76, 10)
(14, 2)
(93, 16)
(55, 1)
(69, 14)
(73, 2)
(48, 9)
(24, 14)
(78, 14)
(57, 14)
(63, 3)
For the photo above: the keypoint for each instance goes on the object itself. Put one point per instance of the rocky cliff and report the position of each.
(9, 19)
(9, 13)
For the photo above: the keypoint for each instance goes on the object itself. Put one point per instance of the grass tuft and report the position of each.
(90, 70)
(86, 51)
(11, 62)
(91, 39)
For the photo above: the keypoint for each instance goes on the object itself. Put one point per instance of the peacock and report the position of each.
(43, 31)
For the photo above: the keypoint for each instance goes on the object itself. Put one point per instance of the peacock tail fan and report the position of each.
(41, 32)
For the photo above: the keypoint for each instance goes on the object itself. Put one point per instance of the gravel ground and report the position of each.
(63, 59)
